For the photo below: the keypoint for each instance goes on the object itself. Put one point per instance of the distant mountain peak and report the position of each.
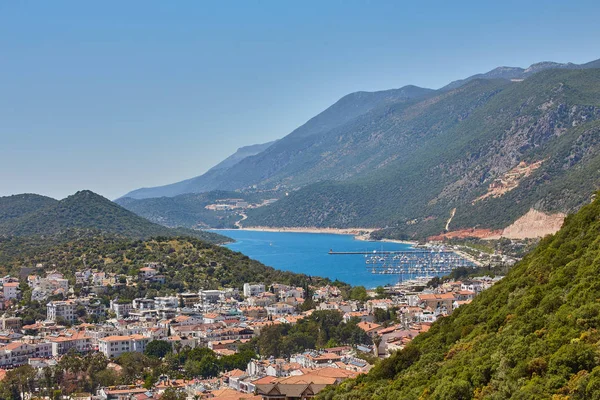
(520, 73)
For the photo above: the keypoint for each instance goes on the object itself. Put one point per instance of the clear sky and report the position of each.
(115, 95)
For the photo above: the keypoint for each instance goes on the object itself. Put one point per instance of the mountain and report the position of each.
(521, 73)
(85, 210)
(240, 154)
(202, 183)
(533, 335)
(402, 160)
(189, 210)
(17, 205)
(490, 150)
(304, 155)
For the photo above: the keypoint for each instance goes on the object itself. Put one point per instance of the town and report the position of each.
(220, 323)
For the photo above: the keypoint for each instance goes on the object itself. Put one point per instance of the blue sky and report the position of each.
(115, 95)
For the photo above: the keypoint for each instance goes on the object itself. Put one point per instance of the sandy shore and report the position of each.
(336, 231)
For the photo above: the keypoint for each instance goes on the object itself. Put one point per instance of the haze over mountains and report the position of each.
(404, 158)
(203, 183)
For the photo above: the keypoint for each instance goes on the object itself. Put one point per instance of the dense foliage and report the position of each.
(321, 329)
(533, 335)
(33, 215)
(441, 153)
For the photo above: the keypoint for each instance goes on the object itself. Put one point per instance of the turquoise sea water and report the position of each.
(308, 253)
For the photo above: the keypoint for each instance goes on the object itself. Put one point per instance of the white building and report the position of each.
(211, 296)
(16, 353)
(278, 309)
(114, 346)
(143, 304)
(160, 303)
(121, 309)
(253, 290)
(64, 309)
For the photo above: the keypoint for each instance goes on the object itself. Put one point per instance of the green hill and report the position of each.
(27, 215)
(20, 204)
(444, 152)
(533, 335)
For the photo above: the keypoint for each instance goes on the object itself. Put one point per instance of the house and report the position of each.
(253, 290)
(147, 272)
(15, 354)
(464, 295)
(370, 328)
(61, 309)
(279, 309)
(211, 296)
(442, 302)
(114, 346)
(383, 304)
(11, 290)
(472, 286)
(363, 316)
(11, 323)
(167, 302)
(120, 308)
(62, 344)
(189, 299)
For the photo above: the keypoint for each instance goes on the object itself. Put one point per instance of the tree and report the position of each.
(380, 291)
(158, 348)
(173, 394)
(358, 293)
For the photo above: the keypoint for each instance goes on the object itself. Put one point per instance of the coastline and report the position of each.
(334, 231)
(362, 234)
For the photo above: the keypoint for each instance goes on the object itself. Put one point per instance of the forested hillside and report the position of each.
(449, 151)
(534, 335)
(32, 215)
(20, 204)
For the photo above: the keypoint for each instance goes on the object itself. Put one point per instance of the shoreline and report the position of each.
(334, 231)
(362, 234)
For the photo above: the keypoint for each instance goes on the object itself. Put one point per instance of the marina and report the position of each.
(357, 262)
(411, 262)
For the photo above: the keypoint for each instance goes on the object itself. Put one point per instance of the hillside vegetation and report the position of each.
(534, 335)
(188, 264)
(444, 152)
(189, 210)
(33, 215)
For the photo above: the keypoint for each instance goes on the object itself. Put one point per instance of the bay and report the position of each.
(308, 253)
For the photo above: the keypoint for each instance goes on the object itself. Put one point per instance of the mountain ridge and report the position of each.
(84, 210)
(493, 126)
(260, 166)
(521, 73)
(195, 184)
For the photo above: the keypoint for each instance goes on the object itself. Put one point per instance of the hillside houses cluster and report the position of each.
(221, 320)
